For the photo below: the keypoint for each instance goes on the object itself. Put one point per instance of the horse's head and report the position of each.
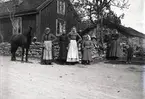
(29, 31)
(30, 35)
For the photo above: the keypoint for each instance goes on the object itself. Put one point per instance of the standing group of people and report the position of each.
(69, 51)
(114, 48)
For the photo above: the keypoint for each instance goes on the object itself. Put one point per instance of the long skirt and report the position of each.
(87, 55)
(115, 49)
(63, 51)
(47, 52)
(73, 55)
(129, 54)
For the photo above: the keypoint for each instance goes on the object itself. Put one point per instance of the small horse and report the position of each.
(23, 41)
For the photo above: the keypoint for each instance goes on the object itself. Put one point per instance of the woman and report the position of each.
(63, 48)
(86, 46)
(47, 39)
(73, 55)
(115, 50)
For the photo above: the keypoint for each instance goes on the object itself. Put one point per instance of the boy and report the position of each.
(129, 53)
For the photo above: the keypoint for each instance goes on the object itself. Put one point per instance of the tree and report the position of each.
(12, 11)
(93, 10)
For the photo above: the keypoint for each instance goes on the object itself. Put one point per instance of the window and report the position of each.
(17, 25)
(60, 7)
(60, 27)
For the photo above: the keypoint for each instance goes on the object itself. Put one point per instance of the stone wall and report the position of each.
(36, 50)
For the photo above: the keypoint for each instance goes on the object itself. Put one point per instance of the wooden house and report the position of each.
(39, 14)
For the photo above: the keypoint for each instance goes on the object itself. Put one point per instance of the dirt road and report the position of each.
(99, 81)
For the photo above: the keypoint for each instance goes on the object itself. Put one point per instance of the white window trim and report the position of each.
(61, 9)
(57, 34)
(58, 6)
(20, 25)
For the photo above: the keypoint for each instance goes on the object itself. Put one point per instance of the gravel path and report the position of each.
(99, 81)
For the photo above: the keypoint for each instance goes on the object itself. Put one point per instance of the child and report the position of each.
(129, 53)
(87, 45)
(73, 54)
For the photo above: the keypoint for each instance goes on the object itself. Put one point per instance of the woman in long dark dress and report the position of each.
(87, 45)
(115, 50)
(63, 48)
(73, 55)
(47, 39)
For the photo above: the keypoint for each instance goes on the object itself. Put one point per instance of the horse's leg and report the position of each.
(27, 54)
(13, 51)
(12, 55)
(22, 54)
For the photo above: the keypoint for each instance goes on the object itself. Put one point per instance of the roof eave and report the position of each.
(44, 4)
(20, 14)
(33, 11)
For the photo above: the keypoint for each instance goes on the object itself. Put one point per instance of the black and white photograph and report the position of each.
(72, 49)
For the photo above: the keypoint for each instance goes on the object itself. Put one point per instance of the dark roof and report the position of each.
(127, 31)
(25, 6)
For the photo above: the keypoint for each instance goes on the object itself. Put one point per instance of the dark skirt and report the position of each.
(129, 53)
(115, 50)
(63, 51)
(87, 55)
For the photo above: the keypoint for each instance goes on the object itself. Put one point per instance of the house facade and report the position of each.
(58, 15)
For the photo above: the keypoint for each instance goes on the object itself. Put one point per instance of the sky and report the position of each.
(134, 16)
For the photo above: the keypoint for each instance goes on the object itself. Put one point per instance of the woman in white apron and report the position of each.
(73, 55)
(47, 39)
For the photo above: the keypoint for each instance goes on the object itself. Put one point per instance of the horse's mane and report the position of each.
(26, 32)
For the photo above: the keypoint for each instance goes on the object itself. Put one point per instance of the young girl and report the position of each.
(73, 55)
(47, 39)
(87, 45)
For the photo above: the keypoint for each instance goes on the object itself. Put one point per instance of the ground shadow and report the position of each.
(22, 61)
(134, 69)
(124, 62)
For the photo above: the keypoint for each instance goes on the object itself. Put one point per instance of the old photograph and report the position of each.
(72, 49)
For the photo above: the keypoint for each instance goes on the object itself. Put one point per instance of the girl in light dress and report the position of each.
(73, 55)
(86, 46)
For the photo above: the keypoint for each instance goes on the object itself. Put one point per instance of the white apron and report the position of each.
(73, 55)
(47, 53)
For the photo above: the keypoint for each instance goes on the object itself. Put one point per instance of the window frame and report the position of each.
(19, 20)
(61, 7)
(64, 26)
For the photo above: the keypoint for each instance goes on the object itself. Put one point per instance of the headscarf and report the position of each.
(74, 29)
(89, 37)
(47, 28)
